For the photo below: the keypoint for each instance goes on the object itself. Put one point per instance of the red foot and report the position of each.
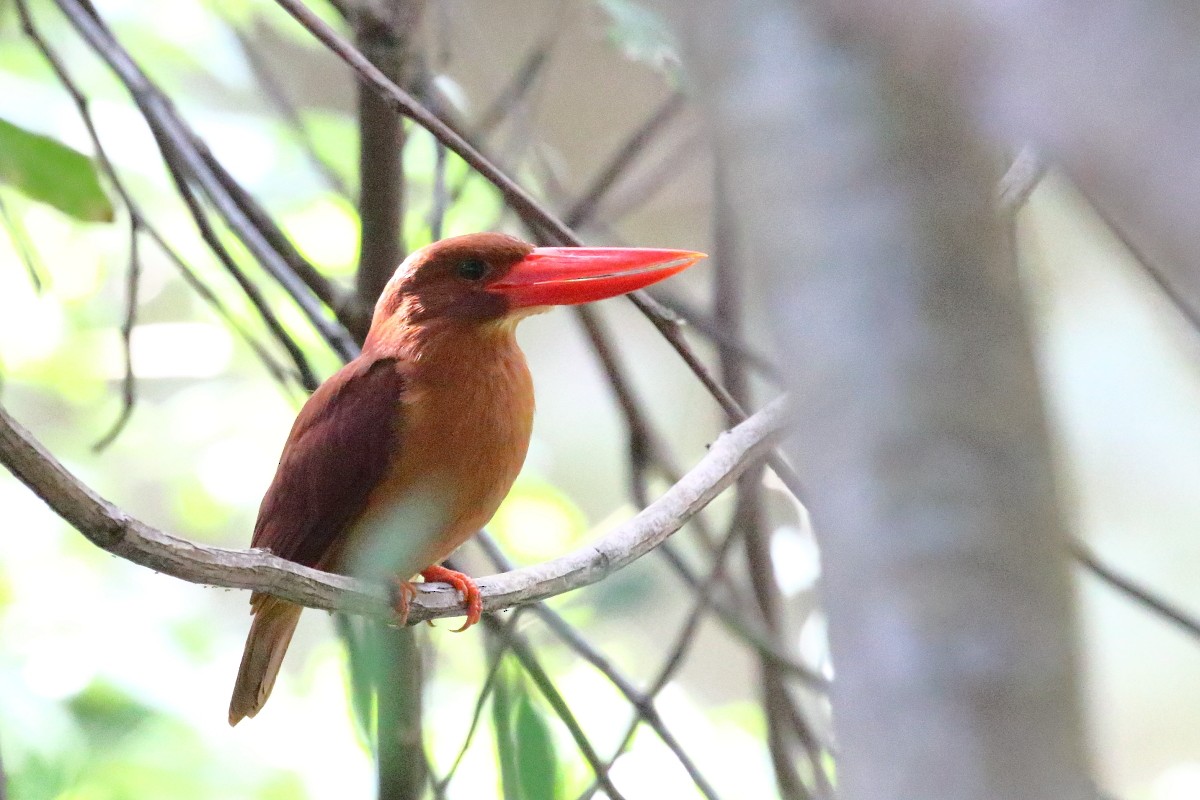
(402, 594)
(464, 585)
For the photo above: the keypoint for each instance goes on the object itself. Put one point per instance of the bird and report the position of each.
(408, 450)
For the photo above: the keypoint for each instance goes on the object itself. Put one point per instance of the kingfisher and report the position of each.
(408, 450)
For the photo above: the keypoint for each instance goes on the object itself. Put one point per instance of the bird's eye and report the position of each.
(472, 269)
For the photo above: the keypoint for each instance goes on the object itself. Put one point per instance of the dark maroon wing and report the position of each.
(338, 450)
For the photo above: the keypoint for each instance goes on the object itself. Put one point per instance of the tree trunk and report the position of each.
(861, 186)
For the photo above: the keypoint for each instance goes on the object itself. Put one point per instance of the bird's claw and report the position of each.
(464, 585)
(402, 594)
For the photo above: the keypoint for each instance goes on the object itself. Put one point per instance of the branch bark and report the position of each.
(386, 40)
(111, 529)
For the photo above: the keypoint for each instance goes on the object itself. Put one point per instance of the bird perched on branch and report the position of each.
(408, 450)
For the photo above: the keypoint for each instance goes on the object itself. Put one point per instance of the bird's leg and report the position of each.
(464, 585)
(402, 594)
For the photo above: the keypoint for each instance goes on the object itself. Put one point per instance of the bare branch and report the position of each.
(485, 691)
(111, 529)
(129, 382)
(779, 707)
(1130, 588)
(643, 704)
(277, 371)
(625, 155)
(278, 96)
(524, 653)
(185, 155)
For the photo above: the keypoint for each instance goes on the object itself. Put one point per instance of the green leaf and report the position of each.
(52, 173)
(537, 763)
(502, 724)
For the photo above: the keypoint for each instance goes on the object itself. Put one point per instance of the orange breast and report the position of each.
(464, 432)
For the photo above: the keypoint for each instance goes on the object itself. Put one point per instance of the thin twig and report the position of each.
(277, 370)
(778, 705)
(343, 304)
(642, 187)
(507, 100)
(514, 93)
(675, 654)
(712, 330)
(533, 668)
(485, 691)
(438, 204)
(257, 299)
(736, 625)
(643, 704)
(129, 381)
(1131, 589)
(626, 154)
(22, 244)
(404, 103)
(185, 152)
(278, 96)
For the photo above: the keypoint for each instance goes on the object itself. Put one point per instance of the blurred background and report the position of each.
(114, 680)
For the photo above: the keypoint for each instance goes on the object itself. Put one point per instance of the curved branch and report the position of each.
(113, 530)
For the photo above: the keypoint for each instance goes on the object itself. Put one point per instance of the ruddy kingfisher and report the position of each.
(404, 453)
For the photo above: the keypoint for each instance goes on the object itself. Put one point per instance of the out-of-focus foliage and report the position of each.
(114, 680)
(53, 173)
(525, 746)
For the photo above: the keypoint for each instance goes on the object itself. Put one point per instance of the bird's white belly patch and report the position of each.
(392, 540)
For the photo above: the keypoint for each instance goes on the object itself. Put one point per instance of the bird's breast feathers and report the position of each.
(463, 433)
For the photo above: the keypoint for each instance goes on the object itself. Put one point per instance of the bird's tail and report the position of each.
(274, 622)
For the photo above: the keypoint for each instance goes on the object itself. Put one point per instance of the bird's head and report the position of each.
(493, 277)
